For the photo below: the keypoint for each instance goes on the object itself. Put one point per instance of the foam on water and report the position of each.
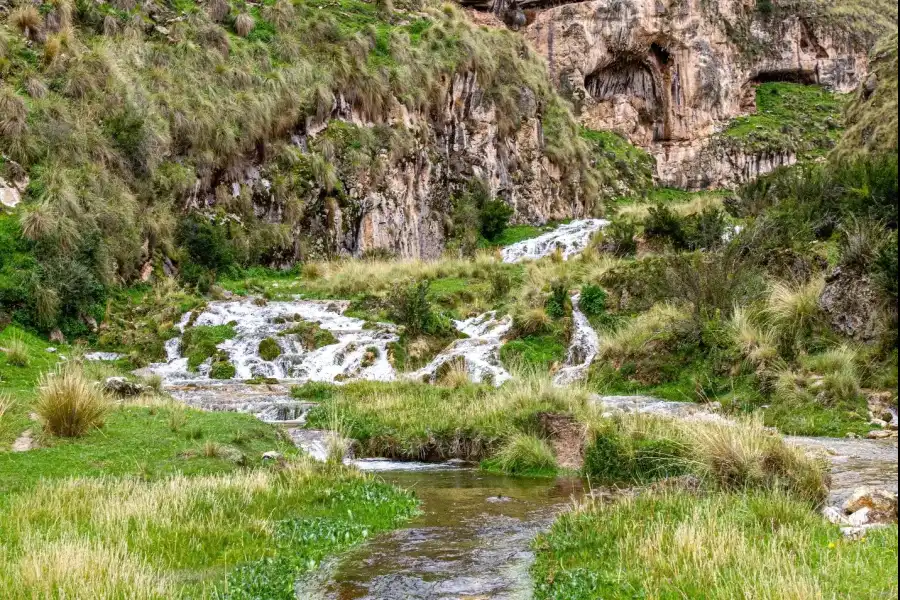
(571, 239)
(347, 359)
(479, 352)
(583, 348)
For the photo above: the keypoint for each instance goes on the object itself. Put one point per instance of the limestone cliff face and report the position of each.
(668, 74)
(403, 207)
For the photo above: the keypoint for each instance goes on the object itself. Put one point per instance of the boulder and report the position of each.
(881, 505)
(860, 517)
(272, 455)
(122, 387)
(57, 337)
(881, 434)
(834, 515)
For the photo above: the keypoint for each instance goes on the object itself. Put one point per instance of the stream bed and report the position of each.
(471, 541)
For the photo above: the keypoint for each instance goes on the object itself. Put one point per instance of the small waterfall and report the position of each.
(360, 351)
(571, 239)
(479, 352)
(583, 348)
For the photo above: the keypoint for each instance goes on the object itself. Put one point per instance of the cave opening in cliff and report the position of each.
(633, 78)
(660, 53)
(802, 76)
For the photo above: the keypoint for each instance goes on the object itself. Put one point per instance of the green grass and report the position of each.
(152, 442)
(538, 352)
(245, 535)
(809, 417)
(523, 454)
(722, 546)
(18, 382)
(806, 120)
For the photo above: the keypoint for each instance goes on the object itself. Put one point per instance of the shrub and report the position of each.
(409, 307)
(862, 242)
(16, 351)
(495, 216)
(592, 300)
(501, 283)
(706, 230)
(523, 454)
(311, 335)
(243, 24)
(664, 225)
(618, 238)
(68, 404)
(557, 304)
(794, 313)
(207, 246)
(269, 349)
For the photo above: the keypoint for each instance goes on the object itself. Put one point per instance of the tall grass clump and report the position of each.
(524, 454)
(794, 313)
(69, 404)
(16, 351)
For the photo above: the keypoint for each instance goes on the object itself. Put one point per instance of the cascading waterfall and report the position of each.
(479, 352)
(583, 348)
(361, 350)
(570, 239)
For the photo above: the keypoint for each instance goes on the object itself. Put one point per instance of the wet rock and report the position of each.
(851, 304)
(880, 505)
(122, 387)
(835, 515)
(882, 408)
(859, 518)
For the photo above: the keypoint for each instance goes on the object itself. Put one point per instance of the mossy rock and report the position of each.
(201, 342)
(311, 335)
(222, 369)
(269, 349)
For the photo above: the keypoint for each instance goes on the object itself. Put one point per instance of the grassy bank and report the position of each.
(247, 534)
(424, 422)
(724, 546)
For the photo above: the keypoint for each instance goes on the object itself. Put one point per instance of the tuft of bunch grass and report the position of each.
(523, 453)
(70, 405)
(793, 311)
(532, 321)
(243, 24)
(6, 403)
(27, 20)
(16, 351)
(757, 343)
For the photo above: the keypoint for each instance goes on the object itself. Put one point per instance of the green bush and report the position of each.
(201, 342)
(611, 458)
(705, 231)
(592, 300)
(618, 238)
(207, 249)
(662, 224)
(558, 302)
(494, 216)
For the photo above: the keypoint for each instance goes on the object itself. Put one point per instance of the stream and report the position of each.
(471, 541)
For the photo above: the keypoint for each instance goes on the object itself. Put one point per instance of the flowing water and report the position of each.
(569, 239)
(479, 352)
(359, 353)
(583, 348)
(471, 541)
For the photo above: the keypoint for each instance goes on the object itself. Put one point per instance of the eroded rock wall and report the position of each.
(669, 74)
(404, 207)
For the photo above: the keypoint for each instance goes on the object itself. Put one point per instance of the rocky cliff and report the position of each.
(670, 74)
(397, 196)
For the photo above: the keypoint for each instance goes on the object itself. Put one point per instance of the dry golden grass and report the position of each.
(757, 343)
(69, 404)
(633, 336)
(694, 206)
(794, 309)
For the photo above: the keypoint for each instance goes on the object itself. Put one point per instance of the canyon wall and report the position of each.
(669, 74)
